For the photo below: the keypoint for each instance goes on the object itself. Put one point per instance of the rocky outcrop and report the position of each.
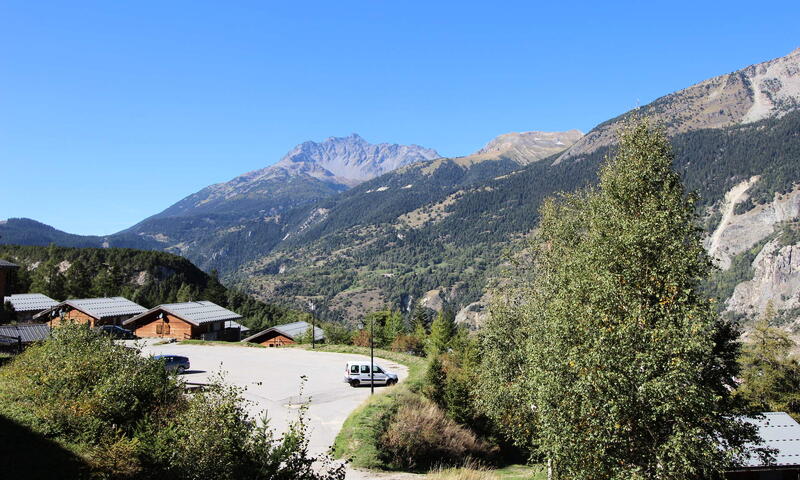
(473, 315)
(432, 300)
(776, 279)
(737, 233)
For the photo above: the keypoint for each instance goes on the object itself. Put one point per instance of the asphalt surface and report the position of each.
(272, 379)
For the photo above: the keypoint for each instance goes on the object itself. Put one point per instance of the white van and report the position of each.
(357, 373)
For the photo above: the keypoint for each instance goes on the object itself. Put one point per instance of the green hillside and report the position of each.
(362, 248)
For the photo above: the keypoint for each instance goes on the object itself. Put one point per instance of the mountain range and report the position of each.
(356, 227)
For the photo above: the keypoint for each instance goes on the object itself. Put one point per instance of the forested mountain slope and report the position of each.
(389, 242)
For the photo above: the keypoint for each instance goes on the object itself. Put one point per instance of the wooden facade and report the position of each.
(158, 324)
(73, 315)
(275, 339)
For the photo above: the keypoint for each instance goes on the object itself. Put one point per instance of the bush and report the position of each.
(127, 418)
(80, 384)
(410, 344)
(421, 436)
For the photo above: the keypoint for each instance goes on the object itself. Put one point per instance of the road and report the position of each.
(271, 377)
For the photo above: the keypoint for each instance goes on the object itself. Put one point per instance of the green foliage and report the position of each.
(79, 384)
(770, 378)
(337, 333)
(605, 352)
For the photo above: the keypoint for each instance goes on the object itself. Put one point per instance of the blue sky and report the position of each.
(112, 111)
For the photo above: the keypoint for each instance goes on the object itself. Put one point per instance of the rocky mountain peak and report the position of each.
(528, 147)
(353, 160)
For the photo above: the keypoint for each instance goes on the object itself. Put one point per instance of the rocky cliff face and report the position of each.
(776, 280)
(745, 96)
(774, 274)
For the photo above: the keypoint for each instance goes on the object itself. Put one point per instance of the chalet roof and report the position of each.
(31, 332)
(196, 313)
(99, 307)
(6, 264)
(235, 324)
(30, 302)
(295, 331)
(781, 433)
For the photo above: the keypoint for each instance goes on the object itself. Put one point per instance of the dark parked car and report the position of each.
(117, 332)
(174, 362)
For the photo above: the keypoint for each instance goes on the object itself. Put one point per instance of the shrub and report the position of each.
(421, 436)
(127, 418)
(361, 338)
(410, 344)
(80, 384)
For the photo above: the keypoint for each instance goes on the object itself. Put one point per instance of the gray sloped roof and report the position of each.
(780, 432)
(196, 313)
(235, 324)
(295, 331)
(32, 332)
(30, 302)
(6, 264)
(99, 307)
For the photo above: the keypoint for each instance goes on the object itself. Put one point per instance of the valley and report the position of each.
(355, 227)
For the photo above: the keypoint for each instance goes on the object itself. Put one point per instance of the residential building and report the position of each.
(287, 334)
(780, 433)
(92, 311)
(188, 320)
(26, 305)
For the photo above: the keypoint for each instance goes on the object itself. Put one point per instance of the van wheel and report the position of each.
(391, 382)
(354, 383)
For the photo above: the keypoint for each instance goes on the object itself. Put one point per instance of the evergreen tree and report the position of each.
(442, 330)
(186, 293)
(770, 372)
(393, 327)
(607, 358)
(78, 280)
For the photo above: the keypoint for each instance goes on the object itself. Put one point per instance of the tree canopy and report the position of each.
(607, 360)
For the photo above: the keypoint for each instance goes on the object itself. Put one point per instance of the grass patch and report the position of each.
(522, 472)
(221, 343)
(511, 472)
(359, 436)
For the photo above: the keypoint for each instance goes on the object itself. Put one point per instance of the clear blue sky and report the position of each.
(112, 111)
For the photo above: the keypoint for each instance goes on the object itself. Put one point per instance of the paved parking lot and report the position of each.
(272, 378)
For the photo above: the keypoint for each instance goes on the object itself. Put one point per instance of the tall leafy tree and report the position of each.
(608, 359)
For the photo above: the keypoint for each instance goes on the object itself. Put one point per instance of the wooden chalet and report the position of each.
(7, 269)
(202, 320)
(26, 305)
(13, 338)
(91, 311)
(287, 334)
(781, 434)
